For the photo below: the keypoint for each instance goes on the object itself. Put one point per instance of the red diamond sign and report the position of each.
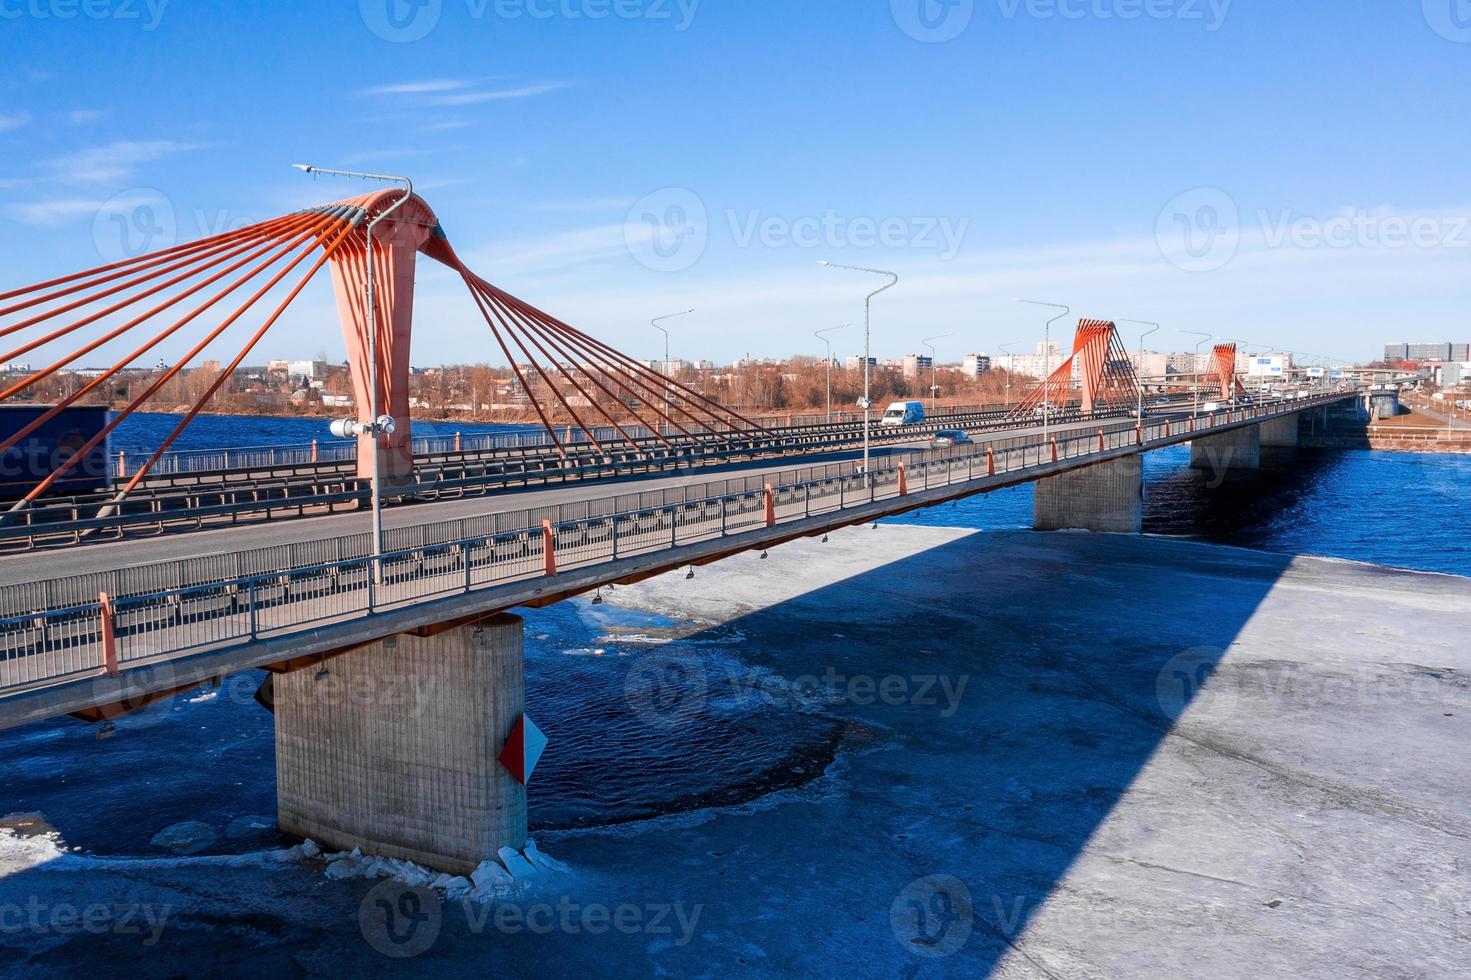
(523, 749)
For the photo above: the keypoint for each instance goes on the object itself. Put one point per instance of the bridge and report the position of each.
(115, 600)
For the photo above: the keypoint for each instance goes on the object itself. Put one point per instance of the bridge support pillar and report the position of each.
(1280, 433)
(393, 747)
(1239, 449)
(1107, 496)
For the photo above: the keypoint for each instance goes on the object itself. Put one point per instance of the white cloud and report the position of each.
(13, 120)
(496, 95)
(418, 88)
(46, 214)
(115, 161)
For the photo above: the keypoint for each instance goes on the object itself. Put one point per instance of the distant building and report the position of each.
(915, 363)
(1427, 352)
(306, 369)
(855, 363)
(975, 365)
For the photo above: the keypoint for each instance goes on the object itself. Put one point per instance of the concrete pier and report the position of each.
(1280, 433)
(1106, 496)
(393, 747)
(1234, 449)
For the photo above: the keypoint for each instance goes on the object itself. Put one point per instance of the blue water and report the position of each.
(649, 715)
(1402, 509)
(143, 432)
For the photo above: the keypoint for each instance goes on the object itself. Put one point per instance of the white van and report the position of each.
(903, 413)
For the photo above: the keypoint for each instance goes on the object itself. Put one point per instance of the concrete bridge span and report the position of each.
(421, 779)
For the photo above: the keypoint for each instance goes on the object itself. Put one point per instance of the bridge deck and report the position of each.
(217, 618)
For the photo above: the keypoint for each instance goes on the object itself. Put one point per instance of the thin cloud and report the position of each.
(418, 88)
(81, 117)
(497, 95)
(114, 161)
(48, 214)
(14, 120)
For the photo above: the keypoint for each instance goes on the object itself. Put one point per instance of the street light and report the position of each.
(1195, 367)
(1047, 353)
(822, 336)
(668, 393)
(379, 425)
(867, 403)
(933, 355)
(1138, 382)
(1010, 369)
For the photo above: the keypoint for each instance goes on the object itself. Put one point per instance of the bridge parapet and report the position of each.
(212, 617)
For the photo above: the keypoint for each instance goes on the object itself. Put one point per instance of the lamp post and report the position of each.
(1205, 338)
(668, 395)
(867, 403)
(379, 425)
(1138, 382)
(822, 336)
(1047, 354)
(1010, 369)
(933, 355)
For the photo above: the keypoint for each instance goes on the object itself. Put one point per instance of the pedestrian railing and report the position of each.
(105, 622)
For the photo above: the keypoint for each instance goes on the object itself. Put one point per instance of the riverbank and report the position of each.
(1036, 782)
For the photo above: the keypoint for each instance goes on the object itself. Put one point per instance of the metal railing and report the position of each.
(104, 622)
(123, 463)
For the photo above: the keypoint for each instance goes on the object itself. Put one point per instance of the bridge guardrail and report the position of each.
(57, 628)
(150, 510)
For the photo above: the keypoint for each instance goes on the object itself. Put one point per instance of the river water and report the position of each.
(610, 759)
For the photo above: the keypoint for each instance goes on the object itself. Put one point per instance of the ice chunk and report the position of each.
(516, 864)
(187, 837)
(540, 860)
(492, 875)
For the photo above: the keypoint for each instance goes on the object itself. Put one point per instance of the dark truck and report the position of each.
(43, 451)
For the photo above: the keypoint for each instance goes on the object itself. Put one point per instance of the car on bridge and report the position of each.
(945, 438)
(903, 413)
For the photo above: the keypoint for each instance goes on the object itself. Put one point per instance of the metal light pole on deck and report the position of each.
(1138, 380)
(1047, 354)
(822, 336)
(379, 425)
(1195, 368)
(933, 387)
(1010, 369)
(668, 392)
(867, 403)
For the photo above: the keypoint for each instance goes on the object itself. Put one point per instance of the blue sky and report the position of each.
(1289, 174)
